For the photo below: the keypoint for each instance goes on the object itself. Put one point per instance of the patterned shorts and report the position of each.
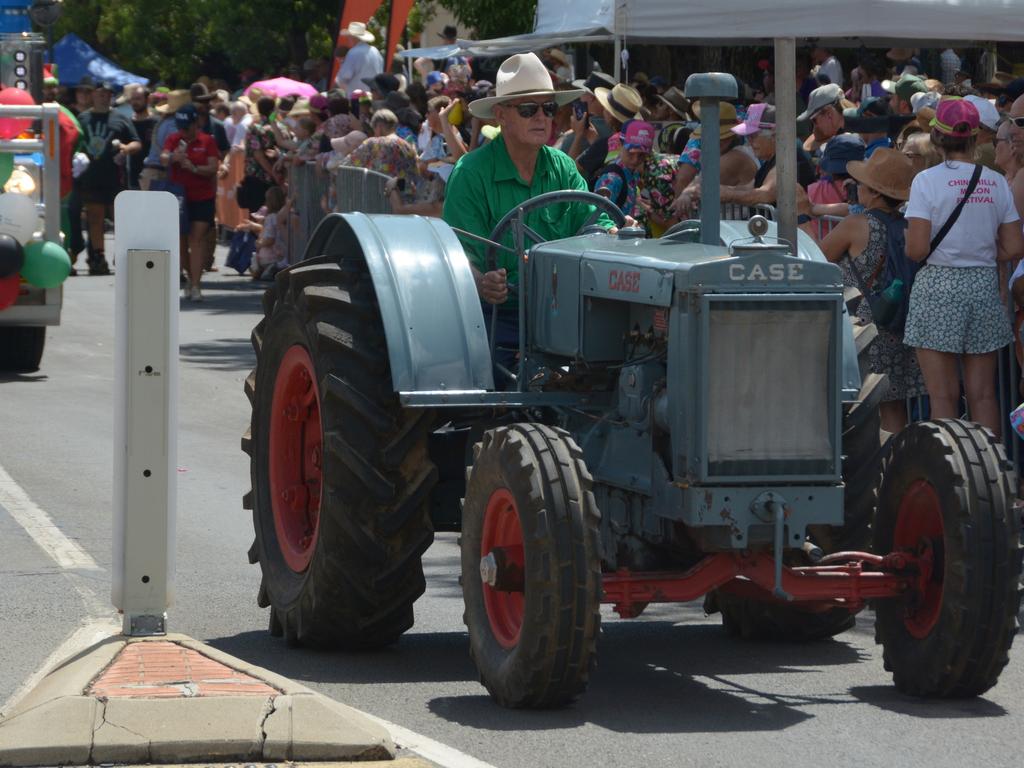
(957, 309)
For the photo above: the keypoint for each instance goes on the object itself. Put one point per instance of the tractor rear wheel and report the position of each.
(531, 566)
(863, 449)
(340, 472)
(947, 496)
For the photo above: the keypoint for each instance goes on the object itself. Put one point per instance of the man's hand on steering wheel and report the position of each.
(493, 286)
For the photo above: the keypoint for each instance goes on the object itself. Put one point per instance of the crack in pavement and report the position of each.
(103, 721)
(268, 709)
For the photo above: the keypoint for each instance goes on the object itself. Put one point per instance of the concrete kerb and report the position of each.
(57, 723)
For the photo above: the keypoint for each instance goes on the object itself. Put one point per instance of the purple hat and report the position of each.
(760, 117)
(955, 111)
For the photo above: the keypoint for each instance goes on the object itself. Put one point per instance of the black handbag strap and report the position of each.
(975, 178)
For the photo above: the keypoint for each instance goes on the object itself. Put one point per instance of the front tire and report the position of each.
(340, 472)
(947, 494)
(529, 495)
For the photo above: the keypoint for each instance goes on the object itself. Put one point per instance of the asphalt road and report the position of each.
(671, 688)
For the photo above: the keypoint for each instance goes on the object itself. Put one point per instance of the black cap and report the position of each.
(449, 32)
(596, 80)
(1015, 88)
(86, 82)
(106, 85)
(385, 83)
(199, 92)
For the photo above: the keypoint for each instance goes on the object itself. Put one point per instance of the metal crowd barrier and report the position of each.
(737, 212)
(360, 189)
(315, 192)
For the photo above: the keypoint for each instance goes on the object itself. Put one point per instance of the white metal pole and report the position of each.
(785, 138)
(146, 385)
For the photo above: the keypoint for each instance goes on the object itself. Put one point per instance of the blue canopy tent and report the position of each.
(75, 59)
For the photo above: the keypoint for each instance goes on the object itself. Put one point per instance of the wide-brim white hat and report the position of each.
(523, 74)
(358, 30)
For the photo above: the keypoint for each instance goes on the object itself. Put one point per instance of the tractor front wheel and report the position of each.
(531, 566)
(946, 496)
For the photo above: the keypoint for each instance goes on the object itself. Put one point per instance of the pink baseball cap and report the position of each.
(759, 117)
(638, 134)
(952, 112)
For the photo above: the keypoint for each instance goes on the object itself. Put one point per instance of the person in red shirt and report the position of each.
(192, 157)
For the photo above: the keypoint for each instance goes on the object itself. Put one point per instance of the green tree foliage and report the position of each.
(177, 40)
(493, 18)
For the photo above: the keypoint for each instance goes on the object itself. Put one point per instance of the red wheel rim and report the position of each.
(919, 529)
(296, 458)
(502, 529)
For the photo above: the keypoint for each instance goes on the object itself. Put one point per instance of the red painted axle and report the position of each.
(860, 577)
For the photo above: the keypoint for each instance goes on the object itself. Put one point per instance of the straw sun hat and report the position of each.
(523, 74)
(887, 171)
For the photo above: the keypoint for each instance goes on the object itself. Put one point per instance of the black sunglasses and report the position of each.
(1018, 121)
(529, 109)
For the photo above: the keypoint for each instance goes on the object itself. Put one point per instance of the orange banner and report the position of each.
(399, 15)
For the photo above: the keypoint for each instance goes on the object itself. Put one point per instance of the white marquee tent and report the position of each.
(854, 20)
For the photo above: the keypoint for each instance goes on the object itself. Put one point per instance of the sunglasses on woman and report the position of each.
(529, 108)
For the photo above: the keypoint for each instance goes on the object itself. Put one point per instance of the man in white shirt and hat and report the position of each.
(361, 62)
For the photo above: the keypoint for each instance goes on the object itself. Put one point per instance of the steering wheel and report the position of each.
(516, 219)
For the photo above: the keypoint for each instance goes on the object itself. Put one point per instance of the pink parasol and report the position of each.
(283, 86)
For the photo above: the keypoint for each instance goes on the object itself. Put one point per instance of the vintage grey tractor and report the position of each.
(688, 417)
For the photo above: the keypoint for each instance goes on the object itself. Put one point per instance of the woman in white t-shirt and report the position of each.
(956, 313)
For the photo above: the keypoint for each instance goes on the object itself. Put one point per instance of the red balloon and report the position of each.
(11, 127)
(10, 286)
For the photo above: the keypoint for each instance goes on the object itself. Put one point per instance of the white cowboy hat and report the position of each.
(359, 31)
(523, 74)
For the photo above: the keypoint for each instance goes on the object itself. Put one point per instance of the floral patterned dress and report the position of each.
(888, 355)
(391, 155)
(259, 138)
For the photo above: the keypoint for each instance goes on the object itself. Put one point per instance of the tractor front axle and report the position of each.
(845, 578)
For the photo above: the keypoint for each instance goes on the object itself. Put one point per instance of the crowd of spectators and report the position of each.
(887, 151)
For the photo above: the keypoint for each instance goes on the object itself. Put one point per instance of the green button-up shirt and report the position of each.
(485, 185)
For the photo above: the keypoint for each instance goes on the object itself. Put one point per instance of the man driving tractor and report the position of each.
(518, 165)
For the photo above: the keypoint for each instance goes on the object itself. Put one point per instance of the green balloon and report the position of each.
(6, 167)
(47, 265)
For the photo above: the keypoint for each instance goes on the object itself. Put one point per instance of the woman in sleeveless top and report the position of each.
(860, 242)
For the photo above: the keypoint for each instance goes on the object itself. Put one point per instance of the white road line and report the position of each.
(42, 529)
(435, 751)
(87, 634)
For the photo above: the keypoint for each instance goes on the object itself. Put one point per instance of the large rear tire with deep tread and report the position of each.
(947, 496)
(351, 578)
(529, 489)
(21, 347)
(863, 450)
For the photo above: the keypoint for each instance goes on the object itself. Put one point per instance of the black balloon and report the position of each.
(12, 256)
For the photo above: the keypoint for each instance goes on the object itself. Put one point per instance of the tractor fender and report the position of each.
(433, 321)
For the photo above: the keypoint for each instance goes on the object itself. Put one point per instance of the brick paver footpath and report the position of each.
(168, 670)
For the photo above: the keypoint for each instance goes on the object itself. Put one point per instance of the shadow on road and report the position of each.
(888, 698)
(220, 354)
(23, 378)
